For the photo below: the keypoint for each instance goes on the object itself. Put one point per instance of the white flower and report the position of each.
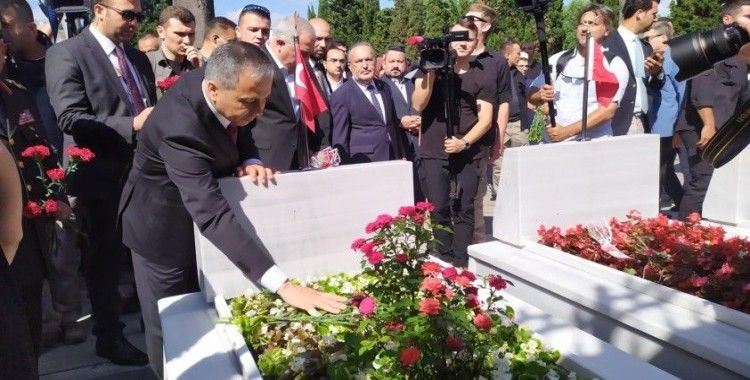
(251, 313)
(274, 311)
(298, 364)
(264, 330)
(278, 302)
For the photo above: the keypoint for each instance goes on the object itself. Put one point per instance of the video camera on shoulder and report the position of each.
(435, 52)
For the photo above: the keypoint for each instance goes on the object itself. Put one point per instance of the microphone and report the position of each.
(415, 40)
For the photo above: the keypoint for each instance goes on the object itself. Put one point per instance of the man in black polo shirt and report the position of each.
(454, 151)
(710, 100)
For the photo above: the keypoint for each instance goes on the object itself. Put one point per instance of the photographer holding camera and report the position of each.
(711, 98)
(449, 149)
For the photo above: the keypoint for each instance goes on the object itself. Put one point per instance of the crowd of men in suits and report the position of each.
(234, 111)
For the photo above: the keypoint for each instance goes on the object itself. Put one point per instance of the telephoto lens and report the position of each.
(697, 52)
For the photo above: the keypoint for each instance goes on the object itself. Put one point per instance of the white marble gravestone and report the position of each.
(573, 182)
(306, 219)
(728, 197)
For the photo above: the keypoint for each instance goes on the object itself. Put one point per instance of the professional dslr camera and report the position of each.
(697, 52)
(435, 53)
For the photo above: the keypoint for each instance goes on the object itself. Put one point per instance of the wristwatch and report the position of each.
(466, 143)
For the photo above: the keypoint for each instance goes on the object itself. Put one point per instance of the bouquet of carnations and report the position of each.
(409, 318)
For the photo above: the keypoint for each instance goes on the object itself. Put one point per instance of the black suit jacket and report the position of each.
(403, 106)
(624, 115)
(182, 150)
(278, 135)
(91, 106)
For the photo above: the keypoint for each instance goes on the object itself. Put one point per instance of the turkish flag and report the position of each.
(605, 80)
(310, 100)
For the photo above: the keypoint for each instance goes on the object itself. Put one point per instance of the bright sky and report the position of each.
(279, 9)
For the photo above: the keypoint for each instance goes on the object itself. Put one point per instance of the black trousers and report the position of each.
(700, 177)
(101, 257)
(154, 282)
(27, 272)
(17, 357)
(667, 176)
(437, 175)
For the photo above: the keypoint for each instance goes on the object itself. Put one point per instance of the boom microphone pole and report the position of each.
(538, 7)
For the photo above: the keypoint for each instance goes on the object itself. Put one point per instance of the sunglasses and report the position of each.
(474, 18)
(126, 15)
(259, 9)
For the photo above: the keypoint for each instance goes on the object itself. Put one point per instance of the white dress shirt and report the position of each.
(401, 85)
(632, 42)
(109, 49)
(274, 278)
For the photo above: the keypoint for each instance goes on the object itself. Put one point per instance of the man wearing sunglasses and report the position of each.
(254, 25)
(101, 90)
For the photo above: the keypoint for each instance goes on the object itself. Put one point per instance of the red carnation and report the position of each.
(407, 211)
(56, 174)
(37, 152)
(394, 326)
(469, 275)
(167, 82)
(425, 206)
(410, 356)
(357, 244)
(483, 321)
(367, 306)
(429, 306)
(83, 154)
(450, 273)
(497, 282)
(432, 285)
(401, 258)
(32, 209)
(454, 343)
(50, 206)
(430, 267)
(463, 281)
(375, 258)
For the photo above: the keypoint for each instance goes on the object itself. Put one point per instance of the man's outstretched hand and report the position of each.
(310, 300)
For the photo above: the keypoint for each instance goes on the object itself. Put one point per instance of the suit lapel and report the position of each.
(385, 94)
(102, 60)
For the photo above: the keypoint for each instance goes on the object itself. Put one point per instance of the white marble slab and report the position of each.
(568, 183)
(728, 197)
(307, 220)
(680, 341)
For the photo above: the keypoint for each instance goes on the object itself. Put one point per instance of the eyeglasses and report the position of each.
(259, 9)
(127, 15)
(473, 18)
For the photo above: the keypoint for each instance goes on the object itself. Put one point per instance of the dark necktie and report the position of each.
(374, 100)
(232, 130)
(130, 83)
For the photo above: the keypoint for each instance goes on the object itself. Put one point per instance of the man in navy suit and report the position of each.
(198, 133)
(365, 125)
(644, 67)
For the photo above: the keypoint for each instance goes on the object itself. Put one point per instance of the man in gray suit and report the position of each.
(101, 90)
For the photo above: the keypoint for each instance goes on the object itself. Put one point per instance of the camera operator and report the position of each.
(710, 100)
(449, 151)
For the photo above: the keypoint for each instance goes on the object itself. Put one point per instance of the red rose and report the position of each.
(83, 154)
(410, 356)
(497, 282)
(454, 343)
(50, 206)
(401, 258)
(483, 321)
(367, 306)
(37, 152)
(32, 210)
(430, 267)
(432, 285)
(375, 258)
(357, 244)
(56, 174)
(429, 306)
(425, 206)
